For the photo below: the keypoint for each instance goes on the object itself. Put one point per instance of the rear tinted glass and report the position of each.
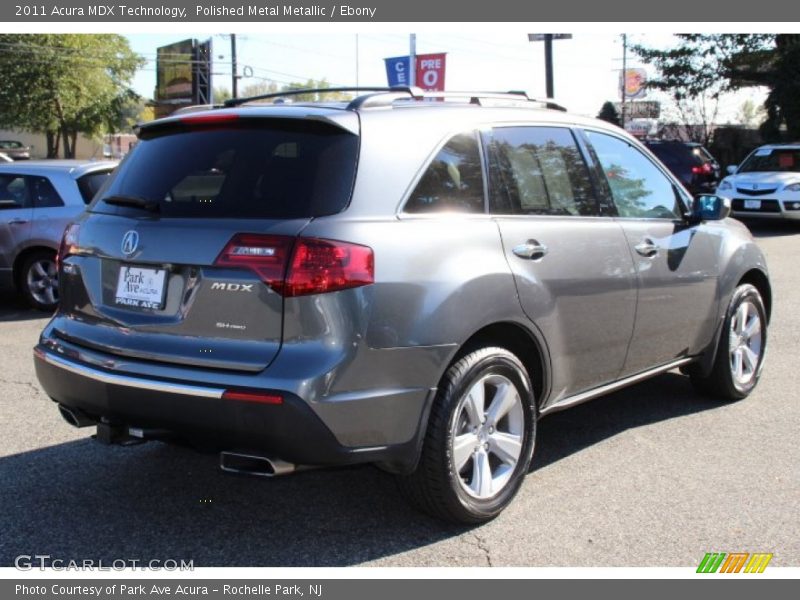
(674, 155)
(90, 183)
(271, 169)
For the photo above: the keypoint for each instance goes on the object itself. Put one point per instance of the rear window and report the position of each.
(675, 155)
(269, 169)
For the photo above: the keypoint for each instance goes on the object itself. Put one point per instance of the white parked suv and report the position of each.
(766, 184)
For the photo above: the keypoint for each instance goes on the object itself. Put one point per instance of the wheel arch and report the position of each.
(22, 257)
(758, 279)
(520, 341)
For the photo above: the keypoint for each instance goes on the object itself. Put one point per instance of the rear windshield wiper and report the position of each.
(134, 201)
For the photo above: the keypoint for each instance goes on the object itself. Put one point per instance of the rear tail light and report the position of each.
(266, 255)
(303, 266)
(69, 243)
(704, 169)
(320, 266)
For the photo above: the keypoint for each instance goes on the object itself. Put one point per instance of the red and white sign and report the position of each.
(430, 72)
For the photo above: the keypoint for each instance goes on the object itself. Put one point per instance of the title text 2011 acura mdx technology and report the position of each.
(393, 281)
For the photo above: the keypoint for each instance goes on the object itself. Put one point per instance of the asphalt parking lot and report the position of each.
(654, 475)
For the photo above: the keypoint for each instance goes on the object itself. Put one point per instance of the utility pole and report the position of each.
(548, 63)
(548, 38)
(624, 76)
(234, 76)
(412, 60)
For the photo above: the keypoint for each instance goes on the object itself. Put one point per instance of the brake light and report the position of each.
(266, 255)
(248, 396)
(320, 266)
(704, 169)
(69, 243)
(209, 118)
(302, 267)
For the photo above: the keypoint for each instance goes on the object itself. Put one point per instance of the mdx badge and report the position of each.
(233, 287)
(130, 242)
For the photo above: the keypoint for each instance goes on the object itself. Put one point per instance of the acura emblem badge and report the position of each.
(130, 241)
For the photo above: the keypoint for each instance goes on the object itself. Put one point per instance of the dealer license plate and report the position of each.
(140, 287)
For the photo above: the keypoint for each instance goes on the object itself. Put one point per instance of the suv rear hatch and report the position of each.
(182, 255)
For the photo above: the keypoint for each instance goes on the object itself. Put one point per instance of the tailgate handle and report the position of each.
(531, 249)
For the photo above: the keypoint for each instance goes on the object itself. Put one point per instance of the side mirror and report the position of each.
(731, 169)
(707, 207)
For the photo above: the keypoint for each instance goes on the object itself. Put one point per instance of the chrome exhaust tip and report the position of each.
(75, 417)
(254, 464)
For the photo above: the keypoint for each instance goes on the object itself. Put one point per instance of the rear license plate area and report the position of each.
(141, 287)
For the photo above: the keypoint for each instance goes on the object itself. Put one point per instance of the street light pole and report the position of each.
(548, 38)
(548, 63)
(624, 76)
(412, 60)
(234, 76)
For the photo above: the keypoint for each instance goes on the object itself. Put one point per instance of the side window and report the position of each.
(453, 182)
(90, 183)
(13, 192)
(43, 193)
(539, 171)
(638, 187)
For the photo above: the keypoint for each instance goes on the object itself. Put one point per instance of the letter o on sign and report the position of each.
(430, 78)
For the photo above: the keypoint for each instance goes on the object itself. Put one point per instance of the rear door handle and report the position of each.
(531, 249)
(646, 248)
(17, 222)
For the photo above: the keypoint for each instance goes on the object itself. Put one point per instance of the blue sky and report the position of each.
(586, 67)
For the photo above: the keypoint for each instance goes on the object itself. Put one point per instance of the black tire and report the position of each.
(721, 382)
(31, 272)
(437, 487)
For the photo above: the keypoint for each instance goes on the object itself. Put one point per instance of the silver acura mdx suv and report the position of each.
(395, 281)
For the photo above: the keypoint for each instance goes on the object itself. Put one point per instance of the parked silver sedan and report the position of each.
(37, 200)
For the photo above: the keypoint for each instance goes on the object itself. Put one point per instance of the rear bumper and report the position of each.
(292, 431)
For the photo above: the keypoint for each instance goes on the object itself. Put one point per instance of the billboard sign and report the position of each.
(645, 109)
(174, 71)
(430, 71)
(633, 82)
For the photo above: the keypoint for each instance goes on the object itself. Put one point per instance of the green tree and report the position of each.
(609, 113)
(65, 84)
(708, 65)
(313, 84)
(221, 94)
(750, 114)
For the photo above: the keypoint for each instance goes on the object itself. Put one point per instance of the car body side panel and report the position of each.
(581, 294)
(676, 286)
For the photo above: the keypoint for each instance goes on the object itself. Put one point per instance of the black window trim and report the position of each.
(680, 193)
(402, 213)
(581, 151)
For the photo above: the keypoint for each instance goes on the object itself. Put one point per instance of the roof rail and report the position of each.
(481, 98)
(300, 91)
(386, 96)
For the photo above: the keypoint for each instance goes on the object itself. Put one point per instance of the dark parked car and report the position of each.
(391, 281)
(15, 150)
(690, 162)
